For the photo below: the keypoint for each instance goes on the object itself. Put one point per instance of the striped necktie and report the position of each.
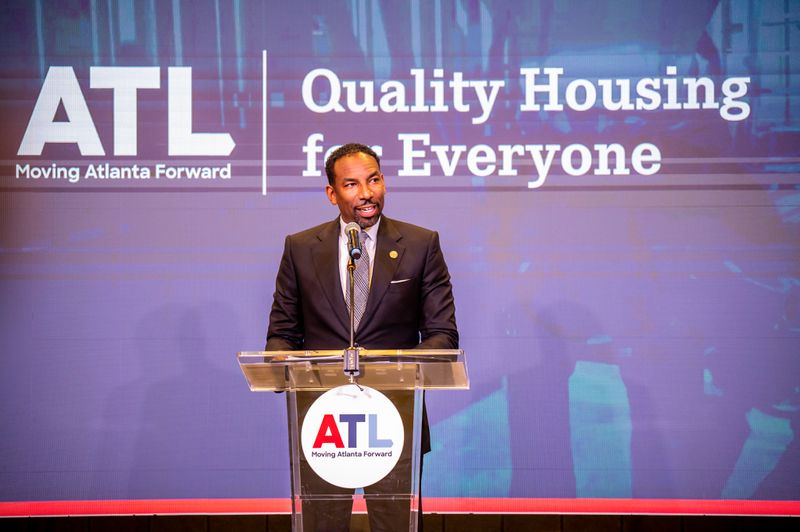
(361, 280)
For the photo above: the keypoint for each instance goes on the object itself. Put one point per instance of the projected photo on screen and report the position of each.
(616, 189)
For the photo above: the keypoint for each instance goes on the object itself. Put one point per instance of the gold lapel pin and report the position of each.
(393, 254)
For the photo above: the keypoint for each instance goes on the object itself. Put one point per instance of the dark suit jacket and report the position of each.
(410, 302)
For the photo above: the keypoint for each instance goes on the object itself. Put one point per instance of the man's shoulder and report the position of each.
(395, 228)
(406, 229)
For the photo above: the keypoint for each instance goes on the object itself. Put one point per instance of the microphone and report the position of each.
(353, 245)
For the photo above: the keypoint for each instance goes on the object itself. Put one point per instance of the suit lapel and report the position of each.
(384, 265)
(326, 266)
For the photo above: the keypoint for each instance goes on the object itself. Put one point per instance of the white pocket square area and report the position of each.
(398, 281)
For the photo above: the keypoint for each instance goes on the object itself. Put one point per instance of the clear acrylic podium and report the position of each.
(402, 375)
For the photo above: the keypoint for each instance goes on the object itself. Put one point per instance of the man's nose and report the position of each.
(365, 192)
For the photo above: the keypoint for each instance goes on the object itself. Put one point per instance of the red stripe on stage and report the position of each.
(430, 504)
(147, 507)
(612, 506)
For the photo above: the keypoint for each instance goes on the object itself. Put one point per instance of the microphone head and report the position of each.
(353, 245)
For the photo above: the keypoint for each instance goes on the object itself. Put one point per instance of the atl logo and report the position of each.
(352, 436)
(329, 431)
(61, 88)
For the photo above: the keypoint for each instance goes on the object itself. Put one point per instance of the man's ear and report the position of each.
(331, 194)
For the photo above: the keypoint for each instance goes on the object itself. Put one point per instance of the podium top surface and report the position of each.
(384, 369)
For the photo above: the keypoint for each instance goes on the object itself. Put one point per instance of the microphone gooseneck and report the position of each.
(352, 353)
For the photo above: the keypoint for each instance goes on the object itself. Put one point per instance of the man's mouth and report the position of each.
(367, 210)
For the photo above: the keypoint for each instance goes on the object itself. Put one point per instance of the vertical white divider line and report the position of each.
(263, 122)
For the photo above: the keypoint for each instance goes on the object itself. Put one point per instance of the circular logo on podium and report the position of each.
(352, 437)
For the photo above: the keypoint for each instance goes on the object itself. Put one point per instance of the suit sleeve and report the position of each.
(285, 330)
(438, 317)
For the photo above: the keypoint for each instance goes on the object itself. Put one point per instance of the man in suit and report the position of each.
(410, 299)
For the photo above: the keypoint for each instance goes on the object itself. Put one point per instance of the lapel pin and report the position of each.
(393, 254)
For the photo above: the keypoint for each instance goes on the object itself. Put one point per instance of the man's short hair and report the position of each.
(344, 151)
